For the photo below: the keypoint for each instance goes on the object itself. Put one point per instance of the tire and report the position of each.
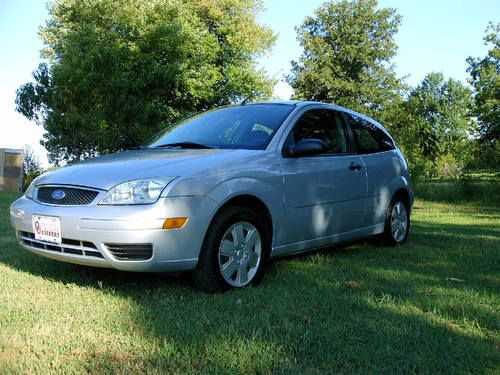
(397, 222)
(235, 251)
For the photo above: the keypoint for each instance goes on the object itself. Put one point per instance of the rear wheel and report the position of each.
(397, 223)
(235, 251)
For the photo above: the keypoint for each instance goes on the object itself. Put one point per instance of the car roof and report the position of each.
(303, 103)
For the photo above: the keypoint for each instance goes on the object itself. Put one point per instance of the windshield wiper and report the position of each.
(183, 145)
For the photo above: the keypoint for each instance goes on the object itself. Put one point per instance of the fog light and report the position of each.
(175, 222)
(16, 212)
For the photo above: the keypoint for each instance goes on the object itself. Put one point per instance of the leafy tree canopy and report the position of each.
(484, 77)
(438, 119)
(119, 70)
(348, 47)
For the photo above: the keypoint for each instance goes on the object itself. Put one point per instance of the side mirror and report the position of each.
(307, 147)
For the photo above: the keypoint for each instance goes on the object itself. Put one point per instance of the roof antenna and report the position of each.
(250, 96)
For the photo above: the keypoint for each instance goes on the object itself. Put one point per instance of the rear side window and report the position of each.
(323, 124)
(369, 138)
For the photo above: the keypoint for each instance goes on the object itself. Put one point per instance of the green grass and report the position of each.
(430, 307)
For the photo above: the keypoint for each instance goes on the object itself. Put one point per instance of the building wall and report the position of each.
(11, 167)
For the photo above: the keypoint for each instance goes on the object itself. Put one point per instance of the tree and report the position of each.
(484, 77)
(348, 47)
(120, 70)
(438, 122)
(32, 167)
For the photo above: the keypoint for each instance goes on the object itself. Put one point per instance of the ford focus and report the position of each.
(222, 192)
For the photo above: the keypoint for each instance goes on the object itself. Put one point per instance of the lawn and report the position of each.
(429, 307)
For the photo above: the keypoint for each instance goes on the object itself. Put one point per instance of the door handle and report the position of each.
(355, 166)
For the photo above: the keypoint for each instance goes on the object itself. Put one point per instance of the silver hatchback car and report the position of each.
(222, 192)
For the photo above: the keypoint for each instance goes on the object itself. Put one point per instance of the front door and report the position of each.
(324, 194)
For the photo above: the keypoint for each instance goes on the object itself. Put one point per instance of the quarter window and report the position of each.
(323, 124)
(369, 138)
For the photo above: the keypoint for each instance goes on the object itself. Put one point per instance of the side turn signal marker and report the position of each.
(175, 222)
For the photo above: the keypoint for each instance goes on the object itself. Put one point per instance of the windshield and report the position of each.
(247, 127)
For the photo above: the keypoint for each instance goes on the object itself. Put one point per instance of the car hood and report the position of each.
(107, 171)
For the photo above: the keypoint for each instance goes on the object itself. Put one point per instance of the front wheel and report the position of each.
(235, 251)
(397, 223)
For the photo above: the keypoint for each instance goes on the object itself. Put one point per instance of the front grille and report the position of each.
(130, 251)
(68, 246)
(72, 196)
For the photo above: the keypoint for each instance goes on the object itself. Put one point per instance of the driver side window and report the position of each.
(325, 125)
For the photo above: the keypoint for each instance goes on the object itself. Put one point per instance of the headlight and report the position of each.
(31, 189)
(136, 192)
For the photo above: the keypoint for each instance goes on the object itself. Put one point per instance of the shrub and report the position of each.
(448, 166)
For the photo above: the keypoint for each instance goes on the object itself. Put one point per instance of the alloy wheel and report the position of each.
(399, 221)
(240, 253)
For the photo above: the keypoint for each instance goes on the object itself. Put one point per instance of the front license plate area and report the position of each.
(47, 228)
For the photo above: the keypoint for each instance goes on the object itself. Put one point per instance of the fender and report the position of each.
(271, 196)
(402, 182)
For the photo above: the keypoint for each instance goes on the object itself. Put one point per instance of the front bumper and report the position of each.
(86, 231)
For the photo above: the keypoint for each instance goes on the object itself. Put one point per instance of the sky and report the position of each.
(435, 35)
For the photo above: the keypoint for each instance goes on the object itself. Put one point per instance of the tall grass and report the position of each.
(480, 187)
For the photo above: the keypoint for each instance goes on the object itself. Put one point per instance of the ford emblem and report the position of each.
(58, 194)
